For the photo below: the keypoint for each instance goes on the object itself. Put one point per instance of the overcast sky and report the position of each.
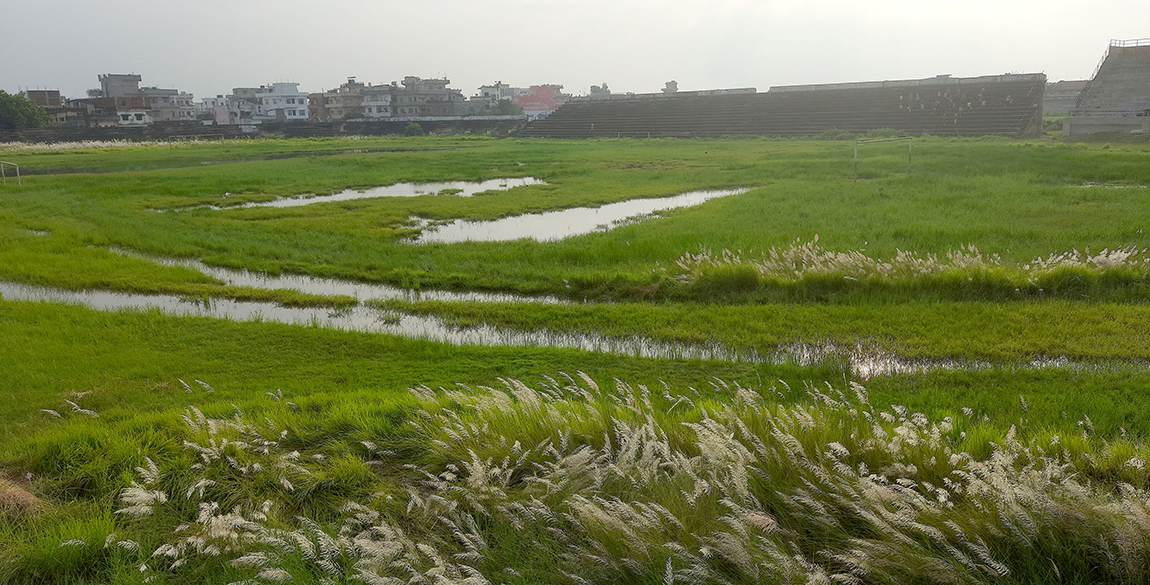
(208, 47)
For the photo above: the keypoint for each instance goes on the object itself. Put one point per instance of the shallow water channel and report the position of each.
(450, 188)
(368, 319)
(566, 223)
(863, 362)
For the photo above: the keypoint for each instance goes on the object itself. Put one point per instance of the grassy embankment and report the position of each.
(1019, 200)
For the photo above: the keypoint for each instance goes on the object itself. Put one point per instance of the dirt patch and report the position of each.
(16, 501)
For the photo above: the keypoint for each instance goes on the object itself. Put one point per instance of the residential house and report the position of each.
(55, 106)
(426, 97)
(278, 102)
(122, 92)
(416, 97)
(377, 101)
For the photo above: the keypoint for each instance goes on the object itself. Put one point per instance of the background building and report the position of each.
(121, 94)
(416, 97)
(538, 101)
(278, 102)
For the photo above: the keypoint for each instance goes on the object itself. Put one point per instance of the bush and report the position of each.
(835, 134)
(413, 129)
(884, 133)
(727, 280)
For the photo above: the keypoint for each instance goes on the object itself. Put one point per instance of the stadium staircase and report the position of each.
(1005, 105)
(1121, 84)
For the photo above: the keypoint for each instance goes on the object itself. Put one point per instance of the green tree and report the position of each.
(506, 108)
(413, 129)
(16, 111)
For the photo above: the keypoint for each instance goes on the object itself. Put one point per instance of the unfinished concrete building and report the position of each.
(1117, 97)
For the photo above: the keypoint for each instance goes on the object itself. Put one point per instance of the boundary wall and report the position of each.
(455, 125)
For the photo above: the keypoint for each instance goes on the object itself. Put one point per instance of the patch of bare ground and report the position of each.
(16, 501)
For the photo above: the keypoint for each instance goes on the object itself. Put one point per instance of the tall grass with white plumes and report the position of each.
(16, 147)
(568, 482)
(809, 264)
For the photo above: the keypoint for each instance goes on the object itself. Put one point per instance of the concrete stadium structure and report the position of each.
(946, 106)
(1117, 97)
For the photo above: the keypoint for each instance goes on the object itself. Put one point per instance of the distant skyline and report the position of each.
(210, 46)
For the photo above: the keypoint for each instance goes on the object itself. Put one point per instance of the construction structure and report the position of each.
(1117, 97)
(1009, 105)
(1062, 96)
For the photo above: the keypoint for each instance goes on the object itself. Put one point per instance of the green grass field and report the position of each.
(144, 446)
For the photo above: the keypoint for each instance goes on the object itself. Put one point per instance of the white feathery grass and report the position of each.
(623, 484)
(15, 147)
(802, 259)
(78, 410)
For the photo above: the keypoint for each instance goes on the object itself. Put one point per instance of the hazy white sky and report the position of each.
(208, 47)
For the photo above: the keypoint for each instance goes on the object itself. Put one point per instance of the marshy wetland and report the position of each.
(933, 376)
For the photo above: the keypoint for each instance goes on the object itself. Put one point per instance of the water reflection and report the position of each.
(452, 188)
(863, 362)
(367, 319)
(331, 287)
(566, 223)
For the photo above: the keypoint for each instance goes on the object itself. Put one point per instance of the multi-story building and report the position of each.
(168, 105)
(243, 106)
(426, 97)
(134, 118)
(342, 103)
(278, 102)
(96, 110)
(123, 93)
(54, 104)
(282, 102)
(213, 110)
(495, 92)
(317, 107)
(115, 85)
(536, 101)
(377, 101)
(45, 98)
(416, 97)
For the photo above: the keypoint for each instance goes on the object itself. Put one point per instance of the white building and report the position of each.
(210, 104)
(134, 118)
(283, 102)
(278, 102)
(213, 110)
(377, 101)
(495, 92)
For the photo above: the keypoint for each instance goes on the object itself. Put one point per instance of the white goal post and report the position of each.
(4, 175)
(909, 150)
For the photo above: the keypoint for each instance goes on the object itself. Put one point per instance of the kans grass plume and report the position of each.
(808, 259)
(568, 482)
